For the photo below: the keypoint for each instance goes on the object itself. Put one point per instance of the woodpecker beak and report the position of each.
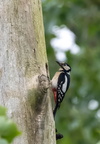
(59, 63)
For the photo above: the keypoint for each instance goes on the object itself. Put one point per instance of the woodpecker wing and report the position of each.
(63, 85)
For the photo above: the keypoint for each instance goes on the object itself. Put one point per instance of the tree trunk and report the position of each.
(24, 71)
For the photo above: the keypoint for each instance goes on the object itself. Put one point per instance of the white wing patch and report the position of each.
(64, 85)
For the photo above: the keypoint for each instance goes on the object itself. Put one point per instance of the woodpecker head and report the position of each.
(64, 66)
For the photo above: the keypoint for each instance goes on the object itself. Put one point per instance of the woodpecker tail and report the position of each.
(55, 110)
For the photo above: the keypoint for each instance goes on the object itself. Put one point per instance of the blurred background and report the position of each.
(72, 33)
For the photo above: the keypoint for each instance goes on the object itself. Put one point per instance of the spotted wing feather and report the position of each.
(63, 85)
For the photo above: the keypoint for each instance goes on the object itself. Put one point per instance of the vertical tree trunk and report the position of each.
(24, 71)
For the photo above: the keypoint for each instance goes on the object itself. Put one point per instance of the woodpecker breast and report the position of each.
(54, 81)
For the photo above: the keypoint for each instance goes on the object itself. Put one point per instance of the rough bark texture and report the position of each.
(24, 71)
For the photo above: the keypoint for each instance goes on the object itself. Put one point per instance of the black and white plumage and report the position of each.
(60, 84)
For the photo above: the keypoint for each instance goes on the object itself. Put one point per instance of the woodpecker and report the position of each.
(60, 84)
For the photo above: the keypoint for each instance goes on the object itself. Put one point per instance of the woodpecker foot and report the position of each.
(59, 136)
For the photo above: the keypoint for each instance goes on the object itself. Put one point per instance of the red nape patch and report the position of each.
(55, 94)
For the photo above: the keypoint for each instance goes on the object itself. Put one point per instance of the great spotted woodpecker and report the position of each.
(60, 84)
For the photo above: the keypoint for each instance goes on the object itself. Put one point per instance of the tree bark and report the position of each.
(24, 83)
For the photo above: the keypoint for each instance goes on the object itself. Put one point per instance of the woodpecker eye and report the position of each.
(64, 64)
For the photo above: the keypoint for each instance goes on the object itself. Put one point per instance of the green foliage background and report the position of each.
(8, 129)
(78, 123)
